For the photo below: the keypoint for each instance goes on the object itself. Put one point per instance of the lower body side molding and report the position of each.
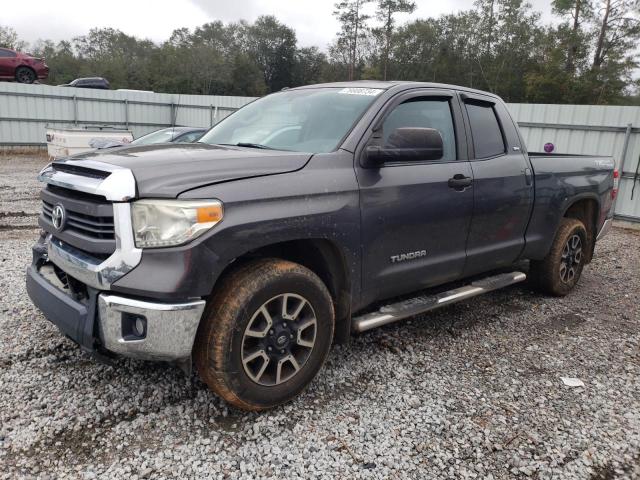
(423, 303)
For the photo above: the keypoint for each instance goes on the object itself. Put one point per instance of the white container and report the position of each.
(63, 142)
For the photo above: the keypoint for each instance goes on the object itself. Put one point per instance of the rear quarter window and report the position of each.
(488, 140)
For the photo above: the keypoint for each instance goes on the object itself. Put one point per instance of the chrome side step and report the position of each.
(414, 306)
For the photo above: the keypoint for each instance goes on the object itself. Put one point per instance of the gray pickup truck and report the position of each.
(306, 216)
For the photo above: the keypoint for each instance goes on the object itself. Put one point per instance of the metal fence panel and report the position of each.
(26, 110)
(588, 129)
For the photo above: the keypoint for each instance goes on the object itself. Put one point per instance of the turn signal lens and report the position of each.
(212, 213)
(616, 182)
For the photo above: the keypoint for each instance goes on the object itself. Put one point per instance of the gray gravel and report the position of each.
(470, 391)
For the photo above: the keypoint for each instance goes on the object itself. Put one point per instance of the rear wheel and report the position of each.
(560, 270)
(265, 334)
(25, 75)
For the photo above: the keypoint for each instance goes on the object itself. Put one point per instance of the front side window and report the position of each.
(485, 130)
(7, 53)
(426, 113)
(313, 120)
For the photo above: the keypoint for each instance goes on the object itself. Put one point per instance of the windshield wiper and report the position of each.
(248, 145)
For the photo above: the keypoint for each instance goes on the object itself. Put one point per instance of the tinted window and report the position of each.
(426, 113)
(485, 129)
(159, 136)
(189, 137)
(7, 53)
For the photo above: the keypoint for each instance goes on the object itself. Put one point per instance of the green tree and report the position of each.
(64, 65)
(9, 39)
(577, 12)
(384, 13)
(615, 57)
(353, 30)
(272, 45)
(308, 67)
(246, 78)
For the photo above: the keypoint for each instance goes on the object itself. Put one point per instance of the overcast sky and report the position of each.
(312, 19)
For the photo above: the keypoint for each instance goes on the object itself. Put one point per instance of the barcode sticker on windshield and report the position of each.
(361, 91)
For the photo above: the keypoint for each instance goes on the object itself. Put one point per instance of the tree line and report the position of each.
(588, 55)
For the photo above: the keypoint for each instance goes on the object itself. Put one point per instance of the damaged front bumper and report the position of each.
(101, 322)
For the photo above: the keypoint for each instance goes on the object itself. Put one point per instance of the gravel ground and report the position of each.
(473, 390)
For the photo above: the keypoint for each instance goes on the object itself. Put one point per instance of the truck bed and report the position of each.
(561, 179)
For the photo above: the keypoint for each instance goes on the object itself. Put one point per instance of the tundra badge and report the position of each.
(408, 256)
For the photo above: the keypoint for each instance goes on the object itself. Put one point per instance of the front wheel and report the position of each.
(560, 270)
(25, 75)
(265, 334)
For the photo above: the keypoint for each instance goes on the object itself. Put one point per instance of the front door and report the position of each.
(414, 219)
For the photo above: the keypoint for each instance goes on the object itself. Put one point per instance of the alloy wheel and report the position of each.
(279, 339)
(571, 258)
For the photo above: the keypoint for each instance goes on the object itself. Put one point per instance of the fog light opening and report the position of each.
(134, 327)
(138, 327)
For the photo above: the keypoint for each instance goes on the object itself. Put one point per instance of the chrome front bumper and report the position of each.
(169, 333)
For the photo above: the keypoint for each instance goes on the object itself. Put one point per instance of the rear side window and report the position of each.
(485, 129)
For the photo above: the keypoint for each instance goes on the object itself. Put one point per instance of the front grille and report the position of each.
(89, 222)
(87, 225)
(74, 194)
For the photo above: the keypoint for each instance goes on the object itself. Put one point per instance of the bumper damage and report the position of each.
(101, 322)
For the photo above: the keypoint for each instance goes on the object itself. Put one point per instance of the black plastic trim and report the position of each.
(75, 319)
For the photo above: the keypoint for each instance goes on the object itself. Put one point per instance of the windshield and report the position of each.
(309, 120)
(159, 136)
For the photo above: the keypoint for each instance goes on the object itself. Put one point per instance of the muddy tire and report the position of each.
(560, 270)
(265, 334)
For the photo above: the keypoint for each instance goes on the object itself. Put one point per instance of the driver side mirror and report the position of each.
(406, 144)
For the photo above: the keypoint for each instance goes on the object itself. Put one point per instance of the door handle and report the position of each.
(528, 176)
(459, 182)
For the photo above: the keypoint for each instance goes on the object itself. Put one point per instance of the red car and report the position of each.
(21, 67)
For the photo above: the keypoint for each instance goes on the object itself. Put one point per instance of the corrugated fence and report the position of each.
(589, 129)
(25, 111)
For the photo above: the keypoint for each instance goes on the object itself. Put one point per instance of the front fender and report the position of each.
(320, 201)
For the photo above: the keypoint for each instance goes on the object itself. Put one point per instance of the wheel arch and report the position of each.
(586, 209)
(324, 258)
(24, 65)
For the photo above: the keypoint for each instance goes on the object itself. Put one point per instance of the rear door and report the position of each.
(414, 223)
(502, 186)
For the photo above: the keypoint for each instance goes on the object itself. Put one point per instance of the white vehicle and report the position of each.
(63, 142)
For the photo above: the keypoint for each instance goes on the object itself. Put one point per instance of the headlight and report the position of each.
(165, 223)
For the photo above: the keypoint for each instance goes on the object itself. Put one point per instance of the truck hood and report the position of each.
(167, 170)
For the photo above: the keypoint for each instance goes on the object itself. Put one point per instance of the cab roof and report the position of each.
(397, 85)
